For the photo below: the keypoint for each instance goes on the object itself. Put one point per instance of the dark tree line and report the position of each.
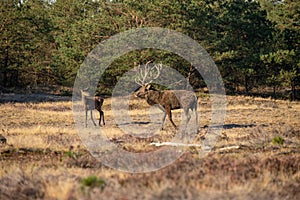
(255, 44)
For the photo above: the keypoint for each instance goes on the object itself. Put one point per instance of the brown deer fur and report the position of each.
(170, 100)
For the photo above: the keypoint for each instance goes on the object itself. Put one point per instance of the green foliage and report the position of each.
(278, 140)
(71, 154)
(254, 43)
(92, 181)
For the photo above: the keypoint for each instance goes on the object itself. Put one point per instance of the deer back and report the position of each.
(186, 98)
(175, 99)
(169, 98)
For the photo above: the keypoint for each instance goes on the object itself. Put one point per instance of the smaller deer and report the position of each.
(91, 103)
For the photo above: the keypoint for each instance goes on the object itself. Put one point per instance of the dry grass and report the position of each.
(45, 159)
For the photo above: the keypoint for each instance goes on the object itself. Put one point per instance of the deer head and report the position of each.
(143, 90)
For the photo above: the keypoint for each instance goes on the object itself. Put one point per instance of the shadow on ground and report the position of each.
(32, 98)
(231, 126)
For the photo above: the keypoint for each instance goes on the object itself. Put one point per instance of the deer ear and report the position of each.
(148, 86)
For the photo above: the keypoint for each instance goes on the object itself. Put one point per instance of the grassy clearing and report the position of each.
(44, 157)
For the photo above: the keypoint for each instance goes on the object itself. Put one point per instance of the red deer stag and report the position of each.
(166, 100)
(91, 103)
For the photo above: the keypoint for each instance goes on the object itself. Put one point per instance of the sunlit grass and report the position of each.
(251, 123)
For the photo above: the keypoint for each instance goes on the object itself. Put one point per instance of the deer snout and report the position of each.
(139, 94)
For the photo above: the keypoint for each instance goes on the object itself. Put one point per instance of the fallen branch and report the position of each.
(158, 144)
(229, 148)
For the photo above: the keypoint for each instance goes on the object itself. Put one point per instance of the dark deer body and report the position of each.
(170, 100)
(91, 103)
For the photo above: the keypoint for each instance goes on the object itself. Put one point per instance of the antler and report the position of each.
(148, 72)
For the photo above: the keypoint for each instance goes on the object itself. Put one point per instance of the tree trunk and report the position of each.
(293, 91)
(5, 71)
(246, 84)
(274, 91)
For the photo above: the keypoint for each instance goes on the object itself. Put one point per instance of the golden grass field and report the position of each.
(44, 157)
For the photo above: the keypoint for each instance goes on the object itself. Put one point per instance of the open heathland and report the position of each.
(257, 155)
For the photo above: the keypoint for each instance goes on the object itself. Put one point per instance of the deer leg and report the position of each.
(101, 113)
(163, 120)
(197, 122)
(99, 118)
(196, 116)
(187, 116)
(86, 114)
(169, 113)
(103, 117)
(93, 118)
(164, 117)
